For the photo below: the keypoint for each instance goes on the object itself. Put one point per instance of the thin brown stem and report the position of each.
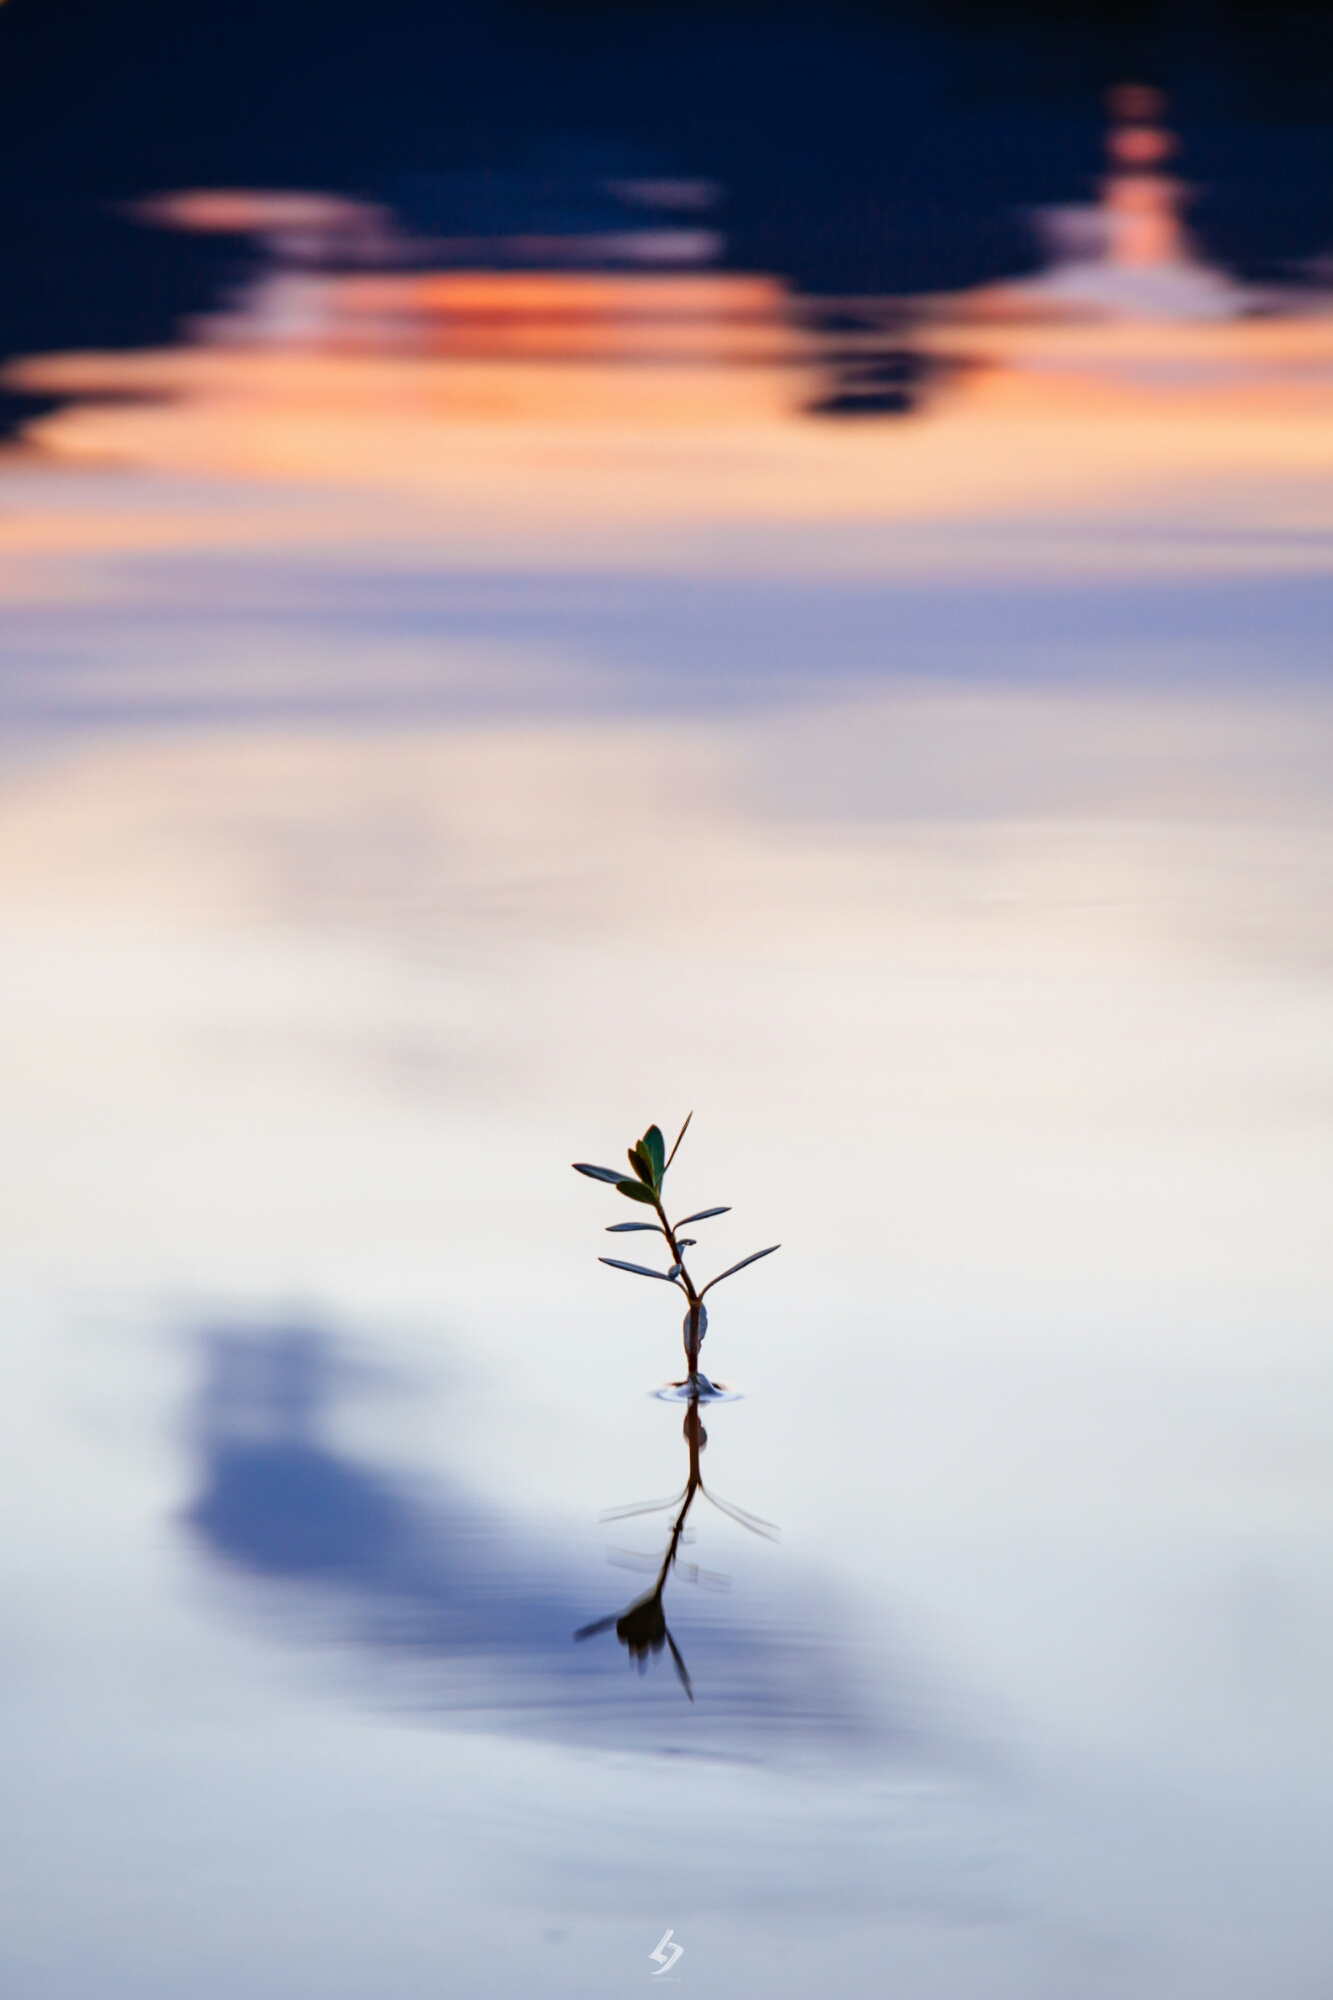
(695, 1298)
(679, 1136)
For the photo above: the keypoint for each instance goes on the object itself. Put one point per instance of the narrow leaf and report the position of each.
(683, 1674)
(590, 1632)
(636, 1191)
(623, 1228)
(701, 1215)
(679, 1136)
(654, 1145)
(612, 1174)
(767, 1529)
(642, 1507)
(733, 1268)
(642, 1166)
(639, 1270)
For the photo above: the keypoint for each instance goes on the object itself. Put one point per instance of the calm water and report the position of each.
(420, 774)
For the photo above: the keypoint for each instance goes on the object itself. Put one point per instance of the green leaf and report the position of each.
(701, 1215)
(611, 1174)
(622, 1228)
(642, 1165)
(654, 1145)
(636, 1191)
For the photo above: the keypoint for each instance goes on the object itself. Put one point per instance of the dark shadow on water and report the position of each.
(275, 1498)
(292, 1510)
(445, 1606)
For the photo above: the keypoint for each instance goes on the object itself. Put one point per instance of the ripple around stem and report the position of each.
(706, 1391)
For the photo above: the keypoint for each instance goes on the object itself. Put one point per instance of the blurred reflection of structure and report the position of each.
(642, 1627)
(489, 266)
(580, 298)
(1129, 316)
(521, 316)
(513, 268)
(1141, 205)
(1127, 256)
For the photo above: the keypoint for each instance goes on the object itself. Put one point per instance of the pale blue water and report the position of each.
(984, 926)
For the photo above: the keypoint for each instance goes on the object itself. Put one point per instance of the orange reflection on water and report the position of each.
(1022, 418)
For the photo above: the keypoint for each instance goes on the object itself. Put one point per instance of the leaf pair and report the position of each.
(670, 1277)
(649, 1160)
(636, 1190)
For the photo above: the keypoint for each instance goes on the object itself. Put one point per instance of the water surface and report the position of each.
(948, 826)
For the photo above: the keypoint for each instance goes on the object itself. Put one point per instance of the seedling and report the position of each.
(650, 1161)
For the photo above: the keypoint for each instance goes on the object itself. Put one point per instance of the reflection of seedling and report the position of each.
(643, 1627)
(650, 1160)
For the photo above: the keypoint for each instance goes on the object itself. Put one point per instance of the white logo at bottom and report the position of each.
(665, 1962)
